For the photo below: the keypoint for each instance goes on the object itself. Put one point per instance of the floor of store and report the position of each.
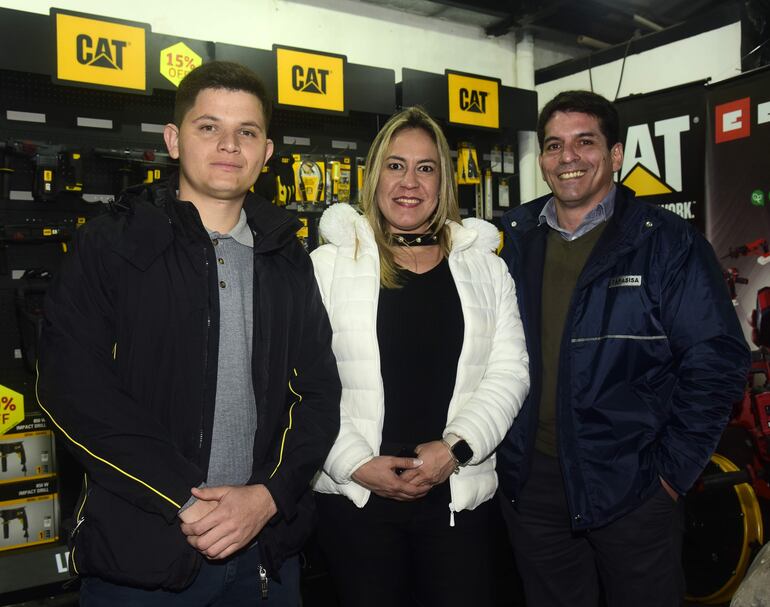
(71, 600)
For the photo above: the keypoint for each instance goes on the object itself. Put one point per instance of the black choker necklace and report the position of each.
(415, 240)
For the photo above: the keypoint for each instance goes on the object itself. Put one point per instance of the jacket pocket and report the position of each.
(125, 545)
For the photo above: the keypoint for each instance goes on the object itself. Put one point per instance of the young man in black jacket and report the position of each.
(186, 361)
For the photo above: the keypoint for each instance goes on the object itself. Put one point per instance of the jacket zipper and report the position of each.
(80, 520)
(289, 426)
(262, 582)
(205, 350)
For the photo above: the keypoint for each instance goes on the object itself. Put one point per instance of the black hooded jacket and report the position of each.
(127, 374)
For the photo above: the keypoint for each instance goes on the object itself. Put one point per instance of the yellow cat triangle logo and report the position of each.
(645, 183)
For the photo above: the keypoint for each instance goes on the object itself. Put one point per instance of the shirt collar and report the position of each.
(241, 232)
(599, 214)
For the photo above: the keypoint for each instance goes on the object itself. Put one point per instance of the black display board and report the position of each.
(518, 107)
(738, 182)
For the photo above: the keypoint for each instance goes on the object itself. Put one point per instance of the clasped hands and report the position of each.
(433, 465)
(225, 519)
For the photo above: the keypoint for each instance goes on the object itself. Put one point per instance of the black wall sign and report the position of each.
(663, 137)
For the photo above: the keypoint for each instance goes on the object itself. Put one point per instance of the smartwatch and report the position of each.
(459, 447)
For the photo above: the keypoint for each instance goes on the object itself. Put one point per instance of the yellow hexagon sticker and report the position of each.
(11, 408)
(178, 60)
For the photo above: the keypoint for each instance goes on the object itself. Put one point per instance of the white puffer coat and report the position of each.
(493, 368)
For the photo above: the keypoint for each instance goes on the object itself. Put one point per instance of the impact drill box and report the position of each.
(26, 450)
(29, 513)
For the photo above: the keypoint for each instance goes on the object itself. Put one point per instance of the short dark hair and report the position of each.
(584, 102)
(220, 75)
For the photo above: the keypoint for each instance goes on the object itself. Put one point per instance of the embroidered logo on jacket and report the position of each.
(626, 281)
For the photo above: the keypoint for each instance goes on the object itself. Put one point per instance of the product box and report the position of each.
(26, 455)
(338, 180)
(29, 513)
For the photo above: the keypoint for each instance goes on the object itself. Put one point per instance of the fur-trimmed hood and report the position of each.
(341, 222)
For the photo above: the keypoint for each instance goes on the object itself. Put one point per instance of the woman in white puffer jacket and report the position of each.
(431, 354)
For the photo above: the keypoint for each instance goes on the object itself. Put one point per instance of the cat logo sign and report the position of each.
(98, 51)
(641, 168)
(473, 100)
(310, 80)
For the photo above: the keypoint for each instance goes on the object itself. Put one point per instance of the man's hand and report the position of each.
(197, 510)
(438, 464)
(239, 515)
(379, 476)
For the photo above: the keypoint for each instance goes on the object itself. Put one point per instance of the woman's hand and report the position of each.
(379, 476)
(437, 464)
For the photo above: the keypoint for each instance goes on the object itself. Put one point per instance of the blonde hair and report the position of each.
(447, 208)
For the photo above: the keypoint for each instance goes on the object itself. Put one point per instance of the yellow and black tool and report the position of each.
(337, 179)
(308, 179)
(468, 172)
(360, 173)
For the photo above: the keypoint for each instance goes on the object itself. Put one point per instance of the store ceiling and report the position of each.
(607, 21)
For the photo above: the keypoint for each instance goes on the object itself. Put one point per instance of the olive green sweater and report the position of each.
(564, 261)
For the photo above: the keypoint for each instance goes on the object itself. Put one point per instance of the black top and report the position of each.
(420, 333)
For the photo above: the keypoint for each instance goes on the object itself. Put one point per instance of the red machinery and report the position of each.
(728, 509)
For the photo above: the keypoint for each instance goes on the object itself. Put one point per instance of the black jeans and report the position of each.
(233, 582)
(635, 560)
(390, 553)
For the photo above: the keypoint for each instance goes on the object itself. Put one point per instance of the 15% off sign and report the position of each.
(178, 60)
(11, 408)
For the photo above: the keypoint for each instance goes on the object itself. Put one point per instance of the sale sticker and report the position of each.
(178, 60)
(11, 408)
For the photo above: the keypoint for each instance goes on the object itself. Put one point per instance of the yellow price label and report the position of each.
(11, 408)
(178, 60)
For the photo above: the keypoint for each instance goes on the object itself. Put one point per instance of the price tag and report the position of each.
(11, 408)
(178, 60)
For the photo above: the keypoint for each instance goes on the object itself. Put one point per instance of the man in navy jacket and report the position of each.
(636, 356)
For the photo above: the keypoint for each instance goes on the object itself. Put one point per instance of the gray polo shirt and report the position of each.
(235, 412)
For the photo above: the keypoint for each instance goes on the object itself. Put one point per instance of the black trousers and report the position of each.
(635, 560)
(397, 554)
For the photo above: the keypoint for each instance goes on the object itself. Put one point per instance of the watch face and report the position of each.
(462, 452)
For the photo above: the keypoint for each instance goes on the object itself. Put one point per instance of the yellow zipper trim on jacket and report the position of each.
(91, 453)
(79, 521)
(289, 427)
(85, 497)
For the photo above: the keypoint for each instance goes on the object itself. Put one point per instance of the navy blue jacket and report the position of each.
(652, 357)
